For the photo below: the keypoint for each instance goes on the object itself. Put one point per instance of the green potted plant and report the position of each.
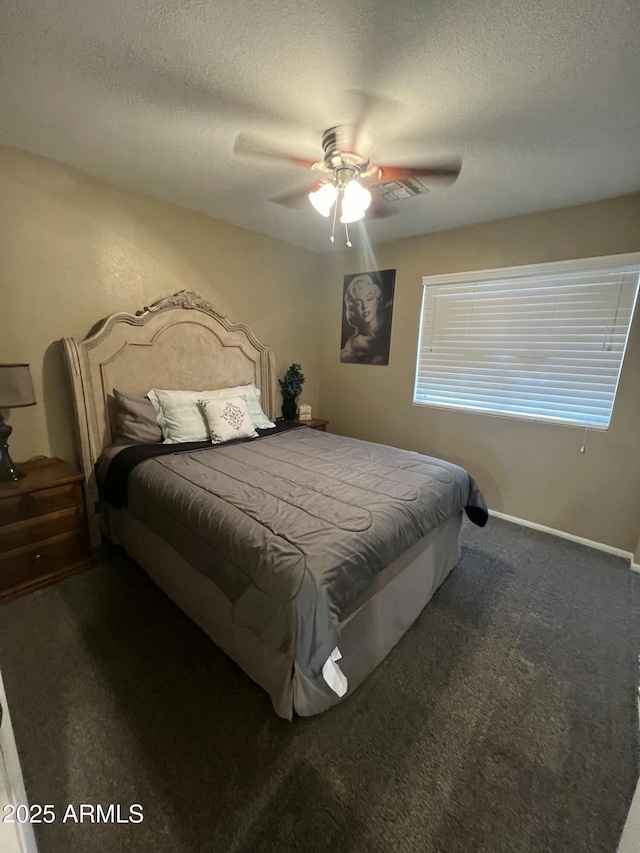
(291, 387)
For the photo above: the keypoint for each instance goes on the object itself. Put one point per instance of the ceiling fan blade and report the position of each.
(296, 198)
(379, 209)
(445, 173)
(248, 145)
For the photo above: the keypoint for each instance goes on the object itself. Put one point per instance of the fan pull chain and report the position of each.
(333, 227)
(346, 228)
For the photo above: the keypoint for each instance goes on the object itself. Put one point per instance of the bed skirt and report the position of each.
(371, 626)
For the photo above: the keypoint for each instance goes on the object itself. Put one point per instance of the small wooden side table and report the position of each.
(314, 423)
(43, 527)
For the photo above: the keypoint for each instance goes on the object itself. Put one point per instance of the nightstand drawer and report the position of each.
(21, 565)
(34, 530)
(32, 504)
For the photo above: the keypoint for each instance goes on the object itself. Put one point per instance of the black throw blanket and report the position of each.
(114, 489)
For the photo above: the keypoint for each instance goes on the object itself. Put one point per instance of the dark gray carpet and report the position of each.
(505, 720)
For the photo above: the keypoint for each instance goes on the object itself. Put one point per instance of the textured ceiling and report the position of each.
(539, 97)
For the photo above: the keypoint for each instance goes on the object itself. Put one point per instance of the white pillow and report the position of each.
(228, 418)
(181, 419)
(179, 416)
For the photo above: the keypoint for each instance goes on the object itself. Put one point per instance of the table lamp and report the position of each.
(16, 390)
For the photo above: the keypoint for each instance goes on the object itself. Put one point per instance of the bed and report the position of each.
(305, 556)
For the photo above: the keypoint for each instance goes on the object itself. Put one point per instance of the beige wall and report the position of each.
(530, 470)
(74, 249)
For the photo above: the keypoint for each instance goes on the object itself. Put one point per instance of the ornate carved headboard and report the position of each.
(180, 342)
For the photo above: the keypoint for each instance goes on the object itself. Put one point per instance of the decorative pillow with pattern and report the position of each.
(228, 418)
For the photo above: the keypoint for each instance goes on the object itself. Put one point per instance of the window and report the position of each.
(542, 342)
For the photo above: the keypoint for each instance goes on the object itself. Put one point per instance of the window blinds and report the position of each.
(544, 343)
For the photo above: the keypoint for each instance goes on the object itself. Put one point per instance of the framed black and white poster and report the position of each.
(367, 307)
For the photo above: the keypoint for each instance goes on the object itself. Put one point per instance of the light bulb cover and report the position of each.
(324, 198)
(356, 193)
(351, 214)
(355, 201)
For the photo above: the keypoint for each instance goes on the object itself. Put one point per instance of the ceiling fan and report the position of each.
(346, 172)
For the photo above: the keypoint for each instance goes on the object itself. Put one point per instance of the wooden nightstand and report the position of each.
(43, 527)
(314, 423)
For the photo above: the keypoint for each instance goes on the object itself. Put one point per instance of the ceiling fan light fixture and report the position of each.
(338, 190)
(355, 201)
(324, 198)
(350, 214)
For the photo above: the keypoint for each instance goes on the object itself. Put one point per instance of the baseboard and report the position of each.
(599, 546)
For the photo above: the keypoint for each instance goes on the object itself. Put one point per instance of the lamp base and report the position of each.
(8, 471)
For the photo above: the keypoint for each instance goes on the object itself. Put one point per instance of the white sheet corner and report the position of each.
(333, 675)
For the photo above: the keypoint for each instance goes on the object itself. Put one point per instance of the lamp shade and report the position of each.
(16, 387)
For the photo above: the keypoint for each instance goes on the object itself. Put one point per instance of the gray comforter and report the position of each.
(294, 527)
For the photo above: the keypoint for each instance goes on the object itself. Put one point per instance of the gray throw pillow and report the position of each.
(135, 420)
